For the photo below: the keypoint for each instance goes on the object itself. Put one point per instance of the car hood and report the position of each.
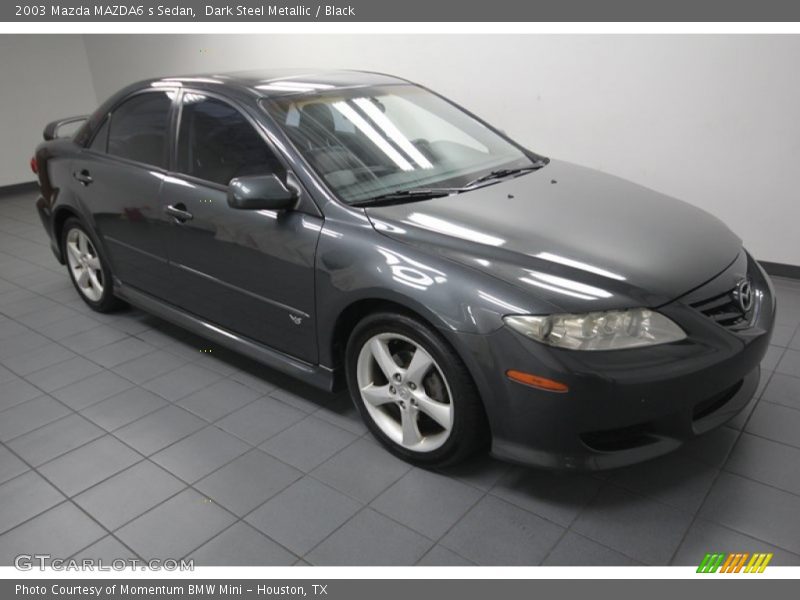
(573, 237)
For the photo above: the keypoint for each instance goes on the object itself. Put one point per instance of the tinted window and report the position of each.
(216, 143)
(139, 128)
(100, 141)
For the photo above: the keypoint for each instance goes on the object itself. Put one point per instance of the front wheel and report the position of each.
(88, 270)
(413, 391)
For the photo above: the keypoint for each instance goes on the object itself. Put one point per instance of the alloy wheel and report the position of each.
(84, 264)
(405, 392)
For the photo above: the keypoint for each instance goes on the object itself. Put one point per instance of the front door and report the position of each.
(249, 271)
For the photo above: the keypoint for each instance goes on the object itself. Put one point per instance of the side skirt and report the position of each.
(316, 375)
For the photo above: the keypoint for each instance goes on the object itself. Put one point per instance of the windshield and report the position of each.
(370, 142)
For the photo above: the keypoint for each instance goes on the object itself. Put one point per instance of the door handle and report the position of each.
(83, 177)
(178, 212)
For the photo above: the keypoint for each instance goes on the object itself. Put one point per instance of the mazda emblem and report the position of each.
(744, 295)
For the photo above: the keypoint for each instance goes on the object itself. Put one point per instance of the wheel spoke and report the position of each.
(380, 352)
(377, 394)
(83, 278)
(420, 363)
(83, 243)
(72, 248)
(438, 411)
(93, 262)
(411, 434)
(94, 282)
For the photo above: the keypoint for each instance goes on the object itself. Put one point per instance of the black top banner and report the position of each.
(403, 10)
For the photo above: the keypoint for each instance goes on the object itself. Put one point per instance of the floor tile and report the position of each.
(755, 509)
(495, 532)
(25, 417)
(790, 363)
(242, 485)
(28, 362)
(219, 399)
(176, 527)
(119, 352)
(370, 538)
(775, 422)
(90, 464)
(308, 443)
(63, 374)
(159, 429)
(241, 545)
(149, 366)
(766, 461)
(182, 382)
(558, 497)
(91, 390)
(57, 438)
(426, 502)
(107, 549)
(10, 465)
(124, 408)
(783, 389)
(260, 420)
(575, 550)
(362, 470)
(16, 391)
(303, 515)
(128, 494)
(59, 532)
(643, 529)
(674, 479)
(439, 556)
(92, 339)
(704, 536)
(24, 497)
(772, 358)
(201, 453)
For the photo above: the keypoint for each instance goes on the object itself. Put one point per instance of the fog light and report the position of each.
(542, 383)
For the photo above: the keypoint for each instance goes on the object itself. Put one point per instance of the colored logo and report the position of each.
(735, 562)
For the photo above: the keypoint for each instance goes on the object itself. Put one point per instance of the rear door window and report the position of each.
(138, 129)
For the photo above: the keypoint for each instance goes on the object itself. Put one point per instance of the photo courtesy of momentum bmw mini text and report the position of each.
(399, 300)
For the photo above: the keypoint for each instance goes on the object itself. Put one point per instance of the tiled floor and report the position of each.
(118, 438)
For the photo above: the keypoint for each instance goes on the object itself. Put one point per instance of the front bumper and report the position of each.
(624, 406)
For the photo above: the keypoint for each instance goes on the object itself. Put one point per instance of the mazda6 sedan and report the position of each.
(353, 228)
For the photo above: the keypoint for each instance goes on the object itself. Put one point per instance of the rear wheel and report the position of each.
(413, 391)
(87, 268)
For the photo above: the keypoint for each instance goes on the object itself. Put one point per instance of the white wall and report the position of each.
(42, 78)
(714, 120)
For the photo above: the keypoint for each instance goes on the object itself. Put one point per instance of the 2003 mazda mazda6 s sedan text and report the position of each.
(354, 227)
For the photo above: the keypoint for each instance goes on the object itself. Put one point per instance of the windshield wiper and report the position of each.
(406, 196)
(503, 173)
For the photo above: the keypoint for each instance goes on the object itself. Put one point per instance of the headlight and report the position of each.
(608, 330)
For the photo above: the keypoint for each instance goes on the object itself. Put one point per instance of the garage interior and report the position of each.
(124, 436)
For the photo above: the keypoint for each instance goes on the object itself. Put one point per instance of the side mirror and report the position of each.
(260, 192)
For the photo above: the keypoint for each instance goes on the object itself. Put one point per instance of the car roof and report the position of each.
(281, 82)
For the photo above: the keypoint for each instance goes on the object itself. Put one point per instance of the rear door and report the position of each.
(118, 178)
(249, 271)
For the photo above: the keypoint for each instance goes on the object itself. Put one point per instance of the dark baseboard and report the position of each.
(781, 269)
(18, 188)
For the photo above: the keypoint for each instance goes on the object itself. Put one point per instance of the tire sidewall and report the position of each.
(462, 391)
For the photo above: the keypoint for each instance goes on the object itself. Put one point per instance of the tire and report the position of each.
(87, 267)
(428, 412)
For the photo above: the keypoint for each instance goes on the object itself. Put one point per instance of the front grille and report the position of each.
(725, 310)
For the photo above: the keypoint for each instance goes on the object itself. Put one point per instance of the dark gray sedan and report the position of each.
(355, 229)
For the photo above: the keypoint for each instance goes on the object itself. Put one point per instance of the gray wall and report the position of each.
(42, 77)
(711, 119)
